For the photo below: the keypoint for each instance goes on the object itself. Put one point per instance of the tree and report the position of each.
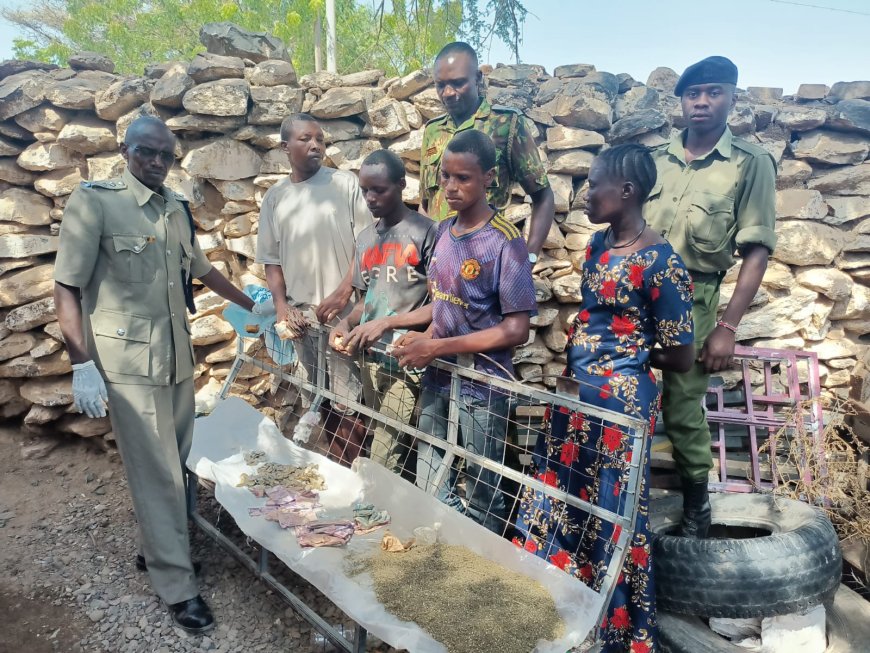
(499, 18)
(396, 37)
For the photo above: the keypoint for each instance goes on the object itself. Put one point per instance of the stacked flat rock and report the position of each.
(59, 126)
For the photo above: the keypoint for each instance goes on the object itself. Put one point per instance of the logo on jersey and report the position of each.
(470, 269)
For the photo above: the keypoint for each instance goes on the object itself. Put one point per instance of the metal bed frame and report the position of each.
(637, 429)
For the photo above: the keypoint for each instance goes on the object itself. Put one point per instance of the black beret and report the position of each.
(712, 70)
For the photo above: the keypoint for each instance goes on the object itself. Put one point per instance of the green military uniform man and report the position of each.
(457, 82)
(714, 196)
(123, 276)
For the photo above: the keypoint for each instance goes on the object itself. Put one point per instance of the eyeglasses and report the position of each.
(166, 156)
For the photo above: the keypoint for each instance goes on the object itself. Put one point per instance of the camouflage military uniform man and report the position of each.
(714, 195)
(457, 81)
(123, 274)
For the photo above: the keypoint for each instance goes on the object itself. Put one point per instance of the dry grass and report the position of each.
(835, 478)
(467, 602)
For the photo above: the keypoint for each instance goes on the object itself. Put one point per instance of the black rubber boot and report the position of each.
(696, 510)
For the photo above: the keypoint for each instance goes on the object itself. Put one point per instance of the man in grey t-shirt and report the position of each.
(307, 238)
(390, 270)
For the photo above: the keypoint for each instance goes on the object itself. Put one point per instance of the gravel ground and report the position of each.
(69, 581)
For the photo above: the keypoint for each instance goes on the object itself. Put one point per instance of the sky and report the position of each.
(780, 43)
(773, 43)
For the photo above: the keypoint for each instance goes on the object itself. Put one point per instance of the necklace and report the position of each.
(608, 235)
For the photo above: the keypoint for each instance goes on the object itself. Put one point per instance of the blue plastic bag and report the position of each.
(281, 351)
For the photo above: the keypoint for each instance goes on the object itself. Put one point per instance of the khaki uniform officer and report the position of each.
(457, 82)
(714, 196)
(124, 268)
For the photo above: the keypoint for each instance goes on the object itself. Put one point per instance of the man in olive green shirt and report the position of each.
(714, 195)
(123, 282)
(457, 82)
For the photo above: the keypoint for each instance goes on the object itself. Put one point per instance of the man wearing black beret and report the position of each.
(715, 196)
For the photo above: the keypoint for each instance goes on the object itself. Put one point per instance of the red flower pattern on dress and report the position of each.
(562, 560)
(569, 454)
(517, 542)
(617, 531)
(547, 413)
(612, 438)
(549, 478)
(619, 618)
(530, 546)
(577, 420)
(618, 285)
(622, 326)
(640, 556)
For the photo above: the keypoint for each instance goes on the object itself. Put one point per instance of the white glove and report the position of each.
(264, 309)
(89, 390)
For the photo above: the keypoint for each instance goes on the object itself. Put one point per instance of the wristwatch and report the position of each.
(533, 258)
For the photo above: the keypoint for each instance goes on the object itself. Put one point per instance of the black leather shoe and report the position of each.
(697, 513)
(141, 566)
(192, 616)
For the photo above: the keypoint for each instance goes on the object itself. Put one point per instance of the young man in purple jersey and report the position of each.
(480, 283)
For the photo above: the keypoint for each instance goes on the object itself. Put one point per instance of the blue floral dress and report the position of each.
(629, 303)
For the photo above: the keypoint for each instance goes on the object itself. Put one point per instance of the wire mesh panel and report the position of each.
(776, 402)
(558, 477)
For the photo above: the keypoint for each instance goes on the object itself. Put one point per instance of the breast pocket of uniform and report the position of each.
(710, 223)
(133, 258)
(431, 165)
(186, 258)
(123, 342)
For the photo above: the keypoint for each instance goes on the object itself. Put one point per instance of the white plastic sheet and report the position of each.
(234, 427)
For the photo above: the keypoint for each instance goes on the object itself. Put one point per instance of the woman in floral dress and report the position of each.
(636, 294)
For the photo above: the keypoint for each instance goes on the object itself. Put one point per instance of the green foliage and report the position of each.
(500, 18)
(397, 36)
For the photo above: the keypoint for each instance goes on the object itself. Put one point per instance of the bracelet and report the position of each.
(725, 325)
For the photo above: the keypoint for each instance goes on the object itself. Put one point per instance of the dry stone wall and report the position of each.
(59, 126)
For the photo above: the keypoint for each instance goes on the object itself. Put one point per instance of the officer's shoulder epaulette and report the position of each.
(501, 108)
(436, 120)
(178, 196)
(749, 148)
(108, 184)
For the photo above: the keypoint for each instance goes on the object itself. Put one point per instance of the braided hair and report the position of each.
(631, 162)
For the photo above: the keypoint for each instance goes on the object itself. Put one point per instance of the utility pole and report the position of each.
(318, 30)
(330, 36)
